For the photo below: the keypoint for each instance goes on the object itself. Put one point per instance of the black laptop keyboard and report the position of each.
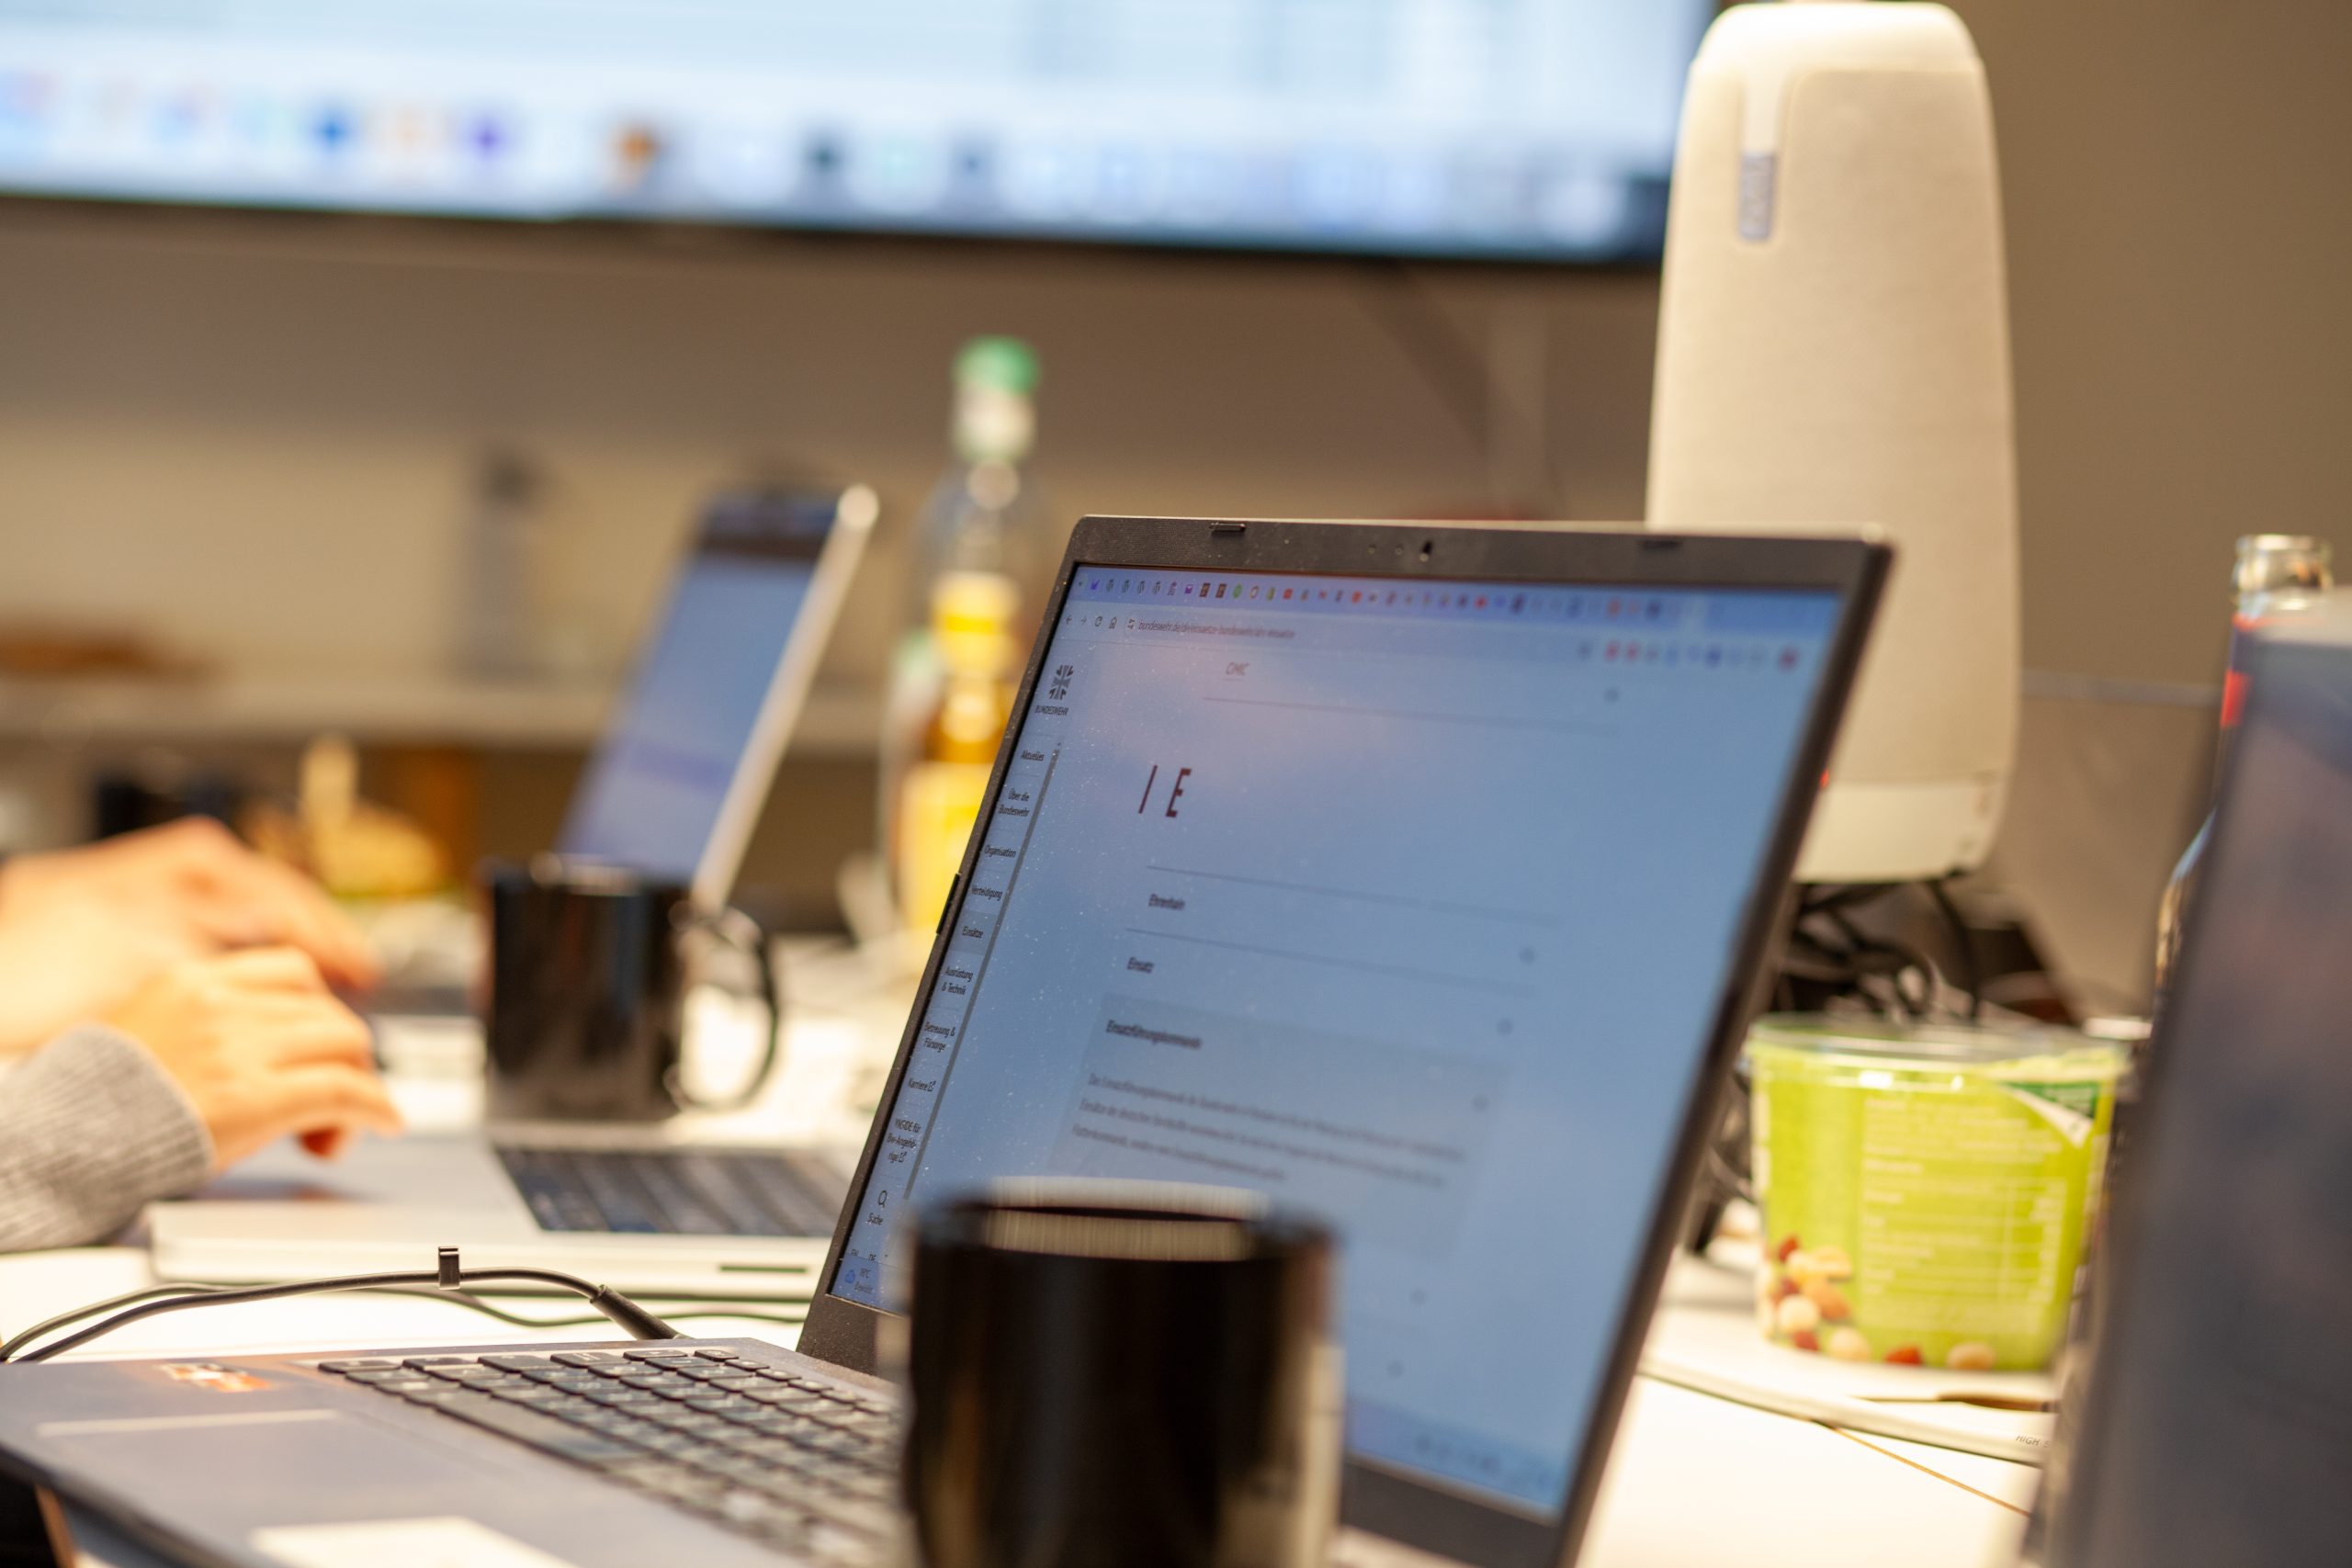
(676, 1191)
(802, 1464)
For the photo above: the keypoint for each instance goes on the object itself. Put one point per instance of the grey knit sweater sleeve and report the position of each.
(90, 1127)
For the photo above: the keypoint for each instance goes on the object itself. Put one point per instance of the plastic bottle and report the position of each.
(979, 560)
(499, 632)
(2278, 577)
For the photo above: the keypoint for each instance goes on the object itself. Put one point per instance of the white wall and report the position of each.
(2180, 244)
(254, 435)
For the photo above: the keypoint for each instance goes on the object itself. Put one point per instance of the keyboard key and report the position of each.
(541, 1432)
(518, 1363)
(745, 1470)
(579, 1359)
(433, 1391)
(856, 1514)
(532, 1394)
(624, 1398)
(744, 1441)
(359, 1364)
(786, 1398)
(637, 1432)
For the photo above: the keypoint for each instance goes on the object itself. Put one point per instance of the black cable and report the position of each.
(1828, 948)
(703, 1307)
(1971, 976)
(1832, 897)
(67, 1319)
(450, 1277)
(696, 1307)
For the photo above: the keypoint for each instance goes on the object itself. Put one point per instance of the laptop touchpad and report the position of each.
(263, 1476)
(251, 1468)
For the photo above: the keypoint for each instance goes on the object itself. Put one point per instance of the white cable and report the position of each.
(1837, 1410)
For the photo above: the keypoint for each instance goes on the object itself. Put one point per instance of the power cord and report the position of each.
(1963, 944)
(448, 1281)
(696, 1307)
(1829, 955)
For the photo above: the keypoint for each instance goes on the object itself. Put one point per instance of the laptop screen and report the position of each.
(1411, 905)
(652, 796)
(2220, 1429)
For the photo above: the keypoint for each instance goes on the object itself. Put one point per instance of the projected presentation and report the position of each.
(1539, 129)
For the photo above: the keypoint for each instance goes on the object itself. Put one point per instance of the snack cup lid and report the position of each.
(2036, 1051)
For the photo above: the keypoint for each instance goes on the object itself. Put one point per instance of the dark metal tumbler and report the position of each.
(587, 996)
(1099, 1384)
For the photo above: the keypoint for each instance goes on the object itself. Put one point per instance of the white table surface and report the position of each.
(1692, 1482)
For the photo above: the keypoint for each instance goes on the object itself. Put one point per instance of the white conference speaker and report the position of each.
(1832, 348)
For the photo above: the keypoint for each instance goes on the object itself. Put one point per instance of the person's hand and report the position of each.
(80, 928)
(261, 1050)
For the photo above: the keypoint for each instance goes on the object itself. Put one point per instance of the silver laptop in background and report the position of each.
(673, 789)
(689, 755)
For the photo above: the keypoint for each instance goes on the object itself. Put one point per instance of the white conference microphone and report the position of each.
(1833, 349)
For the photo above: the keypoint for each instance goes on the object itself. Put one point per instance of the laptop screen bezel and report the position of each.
(1386, 1501)
(2065, 1528)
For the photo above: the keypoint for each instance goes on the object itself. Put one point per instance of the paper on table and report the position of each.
(1694, 1481)
(1704, 1336)
(399, 1543)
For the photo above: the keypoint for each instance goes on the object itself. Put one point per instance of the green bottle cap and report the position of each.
(1003, 364)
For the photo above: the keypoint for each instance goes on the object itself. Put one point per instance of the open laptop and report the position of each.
(673, 789)
(2216, 1425)
(1417, 876)
(688, 757)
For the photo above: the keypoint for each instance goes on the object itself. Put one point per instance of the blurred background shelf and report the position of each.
(289, 707)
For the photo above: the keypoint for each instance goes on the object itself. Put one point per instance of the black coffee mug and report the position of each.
(585, 1016)
(1132, 1374)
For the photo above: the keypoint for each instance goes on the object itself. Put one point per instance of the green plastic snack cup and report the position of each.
(1925, 1190)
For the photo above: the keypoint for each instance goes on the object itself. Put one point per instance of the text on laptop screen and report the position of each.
(1409, 904)
(652, 793)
